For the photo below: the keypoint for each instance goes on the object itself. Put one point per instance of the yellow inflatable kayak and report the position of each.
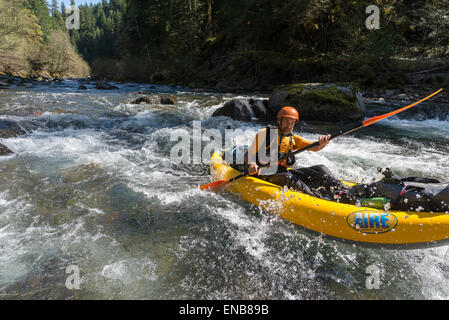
(344, 221)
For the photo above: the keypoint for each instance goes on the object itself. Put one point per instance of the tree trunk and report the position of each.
(209, 18)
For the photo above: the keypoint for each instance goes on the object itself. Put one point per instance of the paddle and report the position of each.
(219, 184)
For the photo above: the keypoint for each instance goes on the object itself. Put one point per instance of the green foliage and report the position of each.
(260, 40)
(424, 27)
(183, 33)
(331, 96)
(34, 44)
(57, 21)
(40, 9)
(100, 29)
(19, 30)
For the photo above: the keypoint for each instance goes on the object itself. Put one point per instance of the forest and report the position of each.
(262, 43)
(223, 43)
(34, 42)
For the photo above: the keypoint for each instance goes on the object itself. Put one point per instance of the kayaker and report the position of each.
(316, 180)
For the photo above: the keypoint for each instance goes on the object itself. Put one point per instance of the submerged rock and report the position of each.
(4, 150)
(146, 99)
(61, 111)
(435, 111)
(103, 85)
(154, 99)
(10, 129)
(168, 99)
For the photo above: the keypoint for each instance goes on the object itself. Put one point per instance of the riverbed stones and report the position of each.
(61, 111)
(4, 85)
(168, 99)
(146, 99)
(103, 85)
(24, 83)
(4, 150)
(155, 99)
(436, 111)
(10, 129)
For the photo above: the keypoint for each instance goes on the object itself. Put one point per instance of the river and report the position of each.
(91, 187)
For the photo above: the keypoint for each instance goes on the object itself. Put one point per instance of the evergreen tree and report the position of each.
(58, 22)
(54, 7)
(63, 8)
(40, 9)
(171, 34)
(101, 22)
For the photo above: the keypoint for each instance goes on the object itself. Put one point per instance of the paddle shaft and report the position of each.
(317, 143)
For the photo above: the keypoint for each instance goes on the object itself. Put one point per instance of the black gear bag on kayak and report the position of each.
(407, 194)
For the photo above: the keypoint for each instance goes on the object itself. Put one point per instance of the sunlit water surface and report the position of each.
(92, 184)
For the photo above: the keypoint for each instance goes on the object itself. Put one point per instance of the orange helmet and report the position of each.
(288, 112)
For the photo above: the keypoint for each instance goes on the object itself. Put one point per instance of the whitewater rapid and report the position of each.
(92, 184)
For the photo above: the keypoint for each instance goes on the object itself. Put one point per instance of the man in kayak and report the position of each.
(316, 180)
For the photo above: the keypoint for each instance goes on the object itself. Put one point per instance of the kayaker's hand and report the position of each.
(324, 141)
(253, 169)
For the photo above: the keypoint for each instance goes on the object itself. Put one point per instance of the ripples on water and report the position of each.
(92, 184)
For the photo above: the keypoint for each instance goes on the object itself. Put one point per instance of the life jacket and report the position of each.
(285, 144)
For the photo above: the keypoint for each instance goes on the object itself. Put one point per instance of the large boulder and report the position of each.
(259, 107)
(277, 101)
(243, 110)
(103, 85)
(168, 99)
(10, 129)
(319, 102)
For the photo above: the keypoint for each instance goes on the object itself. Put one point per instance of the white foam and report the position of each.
(247, 231)
(431, 266)
(429, 125)
(130, 271)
